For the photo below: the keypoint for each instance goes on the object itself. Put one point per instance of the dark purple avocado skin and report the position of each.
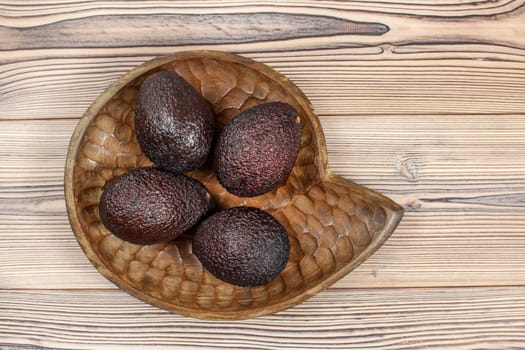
(243, 246)
(150, 205)
(257, 149)
(174, 124)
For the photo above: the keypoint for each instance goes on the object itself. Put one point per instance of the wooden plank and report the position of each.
(480, 155)
(427, 250)
(239, 23)
(62, 9)
(461, 180)
(379, 80)
(419, 318)
(477, 156)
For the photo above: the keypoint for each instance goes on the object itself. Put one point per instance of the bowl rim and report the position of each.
(321, 161)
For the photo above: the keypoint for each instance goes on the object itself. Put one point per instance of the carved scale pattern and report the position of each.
(330, 221)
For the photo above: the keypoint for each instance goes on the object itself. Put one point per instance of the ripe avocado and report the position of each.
(243, 246)
(150, 205)
(173, 122)
(257, 149)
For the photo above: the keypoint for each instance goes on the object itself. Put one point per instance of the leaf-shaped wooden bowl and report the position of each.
(333, 224)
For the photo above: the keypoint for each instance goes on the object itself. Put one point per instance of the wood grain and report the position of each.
(197, 25)
(381, 80)
(453, 8)
(190, 29)
(430, 113)
(457, 318)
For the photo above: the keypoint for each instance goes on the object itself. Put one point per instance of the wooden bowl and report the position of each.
(333, 224)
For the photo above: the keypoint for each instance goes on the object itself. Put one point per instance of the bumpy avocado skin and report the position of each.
(243, 246)
(257, 149)
(150, 205)
(174, 124)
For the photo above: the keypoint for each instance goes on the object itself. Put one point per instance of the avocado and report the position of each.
(174, 124)
(257, 149)
(150, 205)
(243, 246)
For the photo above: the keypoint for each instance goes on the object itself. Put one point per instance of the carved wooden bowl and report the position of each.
(333, 224)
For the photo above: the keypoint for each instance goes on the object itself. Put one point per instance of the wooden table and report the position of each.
(423, 101)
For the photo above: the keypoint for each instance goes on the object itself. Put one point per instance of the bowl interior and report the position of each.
(169, 275)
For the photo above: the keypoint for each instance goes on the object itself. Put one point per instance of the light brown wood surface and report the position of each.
(423, 101)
